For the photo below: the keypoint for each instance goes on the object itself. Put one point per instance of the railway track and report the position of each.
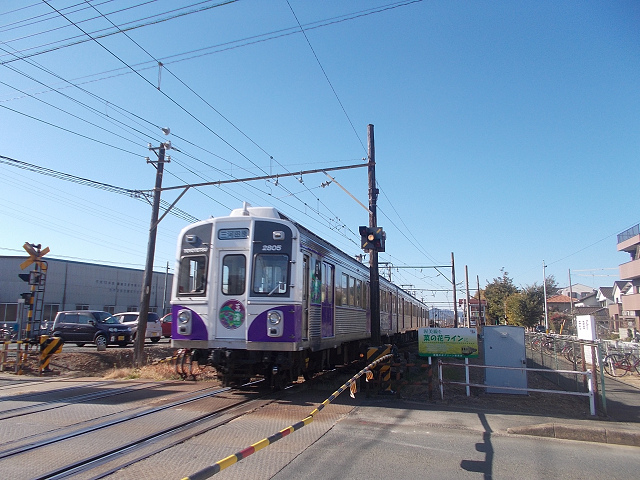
(59, 441)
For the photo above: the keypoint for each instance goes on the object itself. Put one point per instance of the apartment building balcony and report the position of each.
(630, 270)
(629, 239)
(631, 302)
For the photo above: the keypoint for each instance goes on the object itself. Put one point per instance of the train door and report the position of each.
(231, 304)
(305, 297)
(328, 273)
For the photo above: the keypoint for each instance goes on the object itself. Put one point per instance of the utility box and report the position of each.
(504, 347)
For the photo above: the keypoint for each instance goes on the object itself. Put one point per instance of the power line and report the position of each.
(96, 34)
(137, 194)
(69, 131)
(327, 77)
(183, 83)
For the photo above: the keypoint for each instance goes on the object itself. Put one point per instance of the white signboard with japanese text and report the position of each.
(586, 326)
(448, 342)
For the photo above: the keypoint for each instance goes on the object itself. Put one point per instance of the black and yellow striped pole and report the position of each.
(48, 347)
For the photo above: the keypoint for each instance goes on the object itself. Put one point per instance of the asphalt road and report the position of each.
(404, 444)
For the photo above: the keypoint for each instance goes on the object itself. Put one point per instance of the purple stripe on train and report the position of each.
(292, 330)
(198, 328)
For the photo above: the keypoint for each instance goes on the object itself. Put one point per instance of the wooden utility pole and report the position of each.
(138, 352)
(374, 278)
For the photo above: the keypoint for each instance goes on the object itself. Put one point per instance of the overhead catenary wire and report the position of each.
(97, 34)
(295, 194)
(306, 205)
(170, 98)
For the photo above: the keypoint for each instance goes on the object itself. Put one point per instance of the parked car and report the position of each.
(165, 322)
(90, 326)
(154, 330)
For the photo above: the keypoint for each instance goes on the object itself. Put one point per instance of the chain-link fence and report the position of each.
(562, 352)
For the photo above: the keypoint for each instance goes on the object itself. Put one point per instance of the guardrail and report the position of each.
(587, 374)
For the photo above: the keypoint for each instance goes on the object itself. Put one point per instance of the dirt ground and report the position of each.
(111, 363)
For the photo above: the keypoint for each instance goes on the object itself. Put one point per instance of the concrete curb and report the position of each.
(581, 433)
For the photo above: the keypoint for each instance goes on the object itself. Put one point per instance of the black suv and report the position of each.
(90, 326)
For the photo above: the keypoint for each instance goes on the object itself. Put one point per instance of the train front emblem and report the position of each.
(232, 314)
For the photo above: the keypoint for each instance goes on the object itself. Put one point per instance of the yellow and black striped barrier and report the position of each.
(236, 457)
(48, 347)
(384, 370)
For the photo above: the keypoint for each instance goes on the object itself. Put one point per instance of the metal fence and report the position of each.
(586, 376)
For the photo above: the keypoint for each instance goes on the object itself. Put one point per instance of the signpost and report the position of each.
(448, 342)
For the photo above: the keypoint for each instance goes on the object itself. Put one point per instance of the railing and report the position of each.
(557, 354)
(630, 233)
(587, 374)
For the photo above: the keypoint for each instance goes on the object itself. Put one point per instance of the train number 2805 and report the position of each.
(271, 248)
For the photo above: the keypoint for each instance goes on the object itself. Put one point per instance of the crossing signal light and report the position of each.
(32, 278)
(372, 238)
(27, 297)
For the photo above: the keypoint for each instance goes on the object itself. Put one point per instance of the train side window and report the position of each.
(352, 291)
(359, 293)
(192, 277)
(316, 281)
(233, 274)
(345, 289)
(270, 276)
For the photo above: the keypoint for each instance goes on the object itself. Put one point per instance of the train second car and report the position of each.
(256, 294)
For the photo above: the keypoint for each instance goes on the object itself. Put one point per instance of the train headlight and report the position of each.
(274, 317)
(184, 316)
(184, 322)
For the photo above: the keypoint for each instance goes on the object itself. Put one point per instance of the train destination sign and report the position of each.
(448, 342)
(233, 233)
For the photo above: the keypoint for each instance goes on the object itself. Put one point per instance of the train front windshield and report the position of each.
(192, 277)
(270, 275)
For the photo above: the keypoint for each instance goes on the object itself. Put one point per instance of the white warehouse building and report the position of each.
(74, 285)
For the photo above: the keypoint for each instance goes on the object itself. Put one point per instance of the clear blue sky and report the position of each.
(506, 132)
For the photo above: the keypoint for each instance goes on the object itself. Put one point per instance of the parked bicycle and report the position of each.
(619, 364)
(8, 332)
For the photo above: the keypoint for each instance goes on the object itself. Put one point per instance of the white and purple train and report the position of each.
(257, 294)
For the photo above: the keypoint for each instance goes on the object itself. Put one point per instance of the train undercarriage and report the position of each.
(279, 369)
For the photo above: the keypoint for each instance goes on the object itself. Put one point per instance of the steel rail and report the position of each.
(82, 431)
(64, 402)
(176, 434)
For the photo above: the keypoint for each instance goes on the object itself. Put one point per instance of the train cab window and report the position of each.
(192, 276)
(233, 274)
(270, 276)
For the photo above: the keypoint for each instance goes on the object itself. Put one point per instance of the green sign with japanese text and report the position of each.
(448, 342)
